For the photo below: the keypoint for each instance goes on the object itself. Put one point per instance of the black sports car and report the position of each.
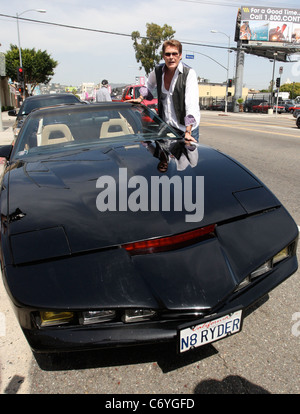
(39, 101)
(115, 231)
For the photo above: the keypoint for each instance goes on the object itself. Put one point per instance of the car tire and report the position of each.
(298, 122)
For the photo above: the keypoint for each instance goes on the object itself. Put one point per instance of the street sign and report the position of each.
(189, 56)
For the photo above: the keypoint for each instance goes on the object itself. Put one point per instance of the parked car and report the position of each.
(294, 108)
(39, 101)
(216, 106)
(280, 108)
(220, 106)
(288, 104)
(105, 240)
(249, 103)
(133, 92)
(296, 113)
(264, 107)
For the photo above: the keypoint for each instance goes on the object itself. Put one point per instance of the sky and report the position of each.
(88, 56)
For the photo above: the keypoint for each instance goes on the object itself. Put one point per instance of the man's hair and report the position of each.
(173, 43)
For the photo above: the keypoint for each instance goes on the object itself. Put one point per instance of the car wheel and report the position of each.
(298, 122)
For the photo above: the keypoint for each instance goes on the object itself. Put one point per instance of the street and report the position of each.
(264, 358)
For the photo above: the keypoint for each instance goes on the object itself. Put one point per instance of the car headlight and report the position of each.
(261, 270)
(49, 318)
(137, 315)
(267, 266)
(97, 316)
(283, 254)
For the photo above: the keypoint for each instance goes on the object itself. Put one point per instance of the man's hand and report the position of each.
(137, 100)
(188, 138)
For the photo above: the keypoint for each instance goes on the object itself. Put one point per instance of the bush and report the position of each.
(6, 108)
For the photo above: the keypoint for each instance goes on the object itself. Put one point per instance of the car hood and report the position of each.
(69, 252)
(58, 199)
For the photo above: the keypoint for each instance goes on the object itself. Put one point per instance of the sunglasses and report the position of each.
(168, 54)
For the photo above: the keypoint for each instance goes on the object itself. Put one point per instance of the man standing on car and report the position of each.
(177, 90)
(102, 94)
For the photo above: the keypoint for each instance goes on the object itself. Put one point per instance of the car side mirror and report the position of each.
(5, 151)
(12, 112)
(127, 97)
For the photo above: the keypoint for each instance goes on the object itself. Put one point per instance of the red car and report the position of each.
(292, 109)
(133, 92)
(280, 108)
(264, 107)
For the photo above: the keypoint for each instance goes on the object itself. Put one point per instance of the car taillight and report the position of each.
(169, 243)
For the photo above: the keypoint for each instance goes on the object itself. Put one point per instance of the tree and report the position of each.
(146, 51)
(292, 88)
(38, 65)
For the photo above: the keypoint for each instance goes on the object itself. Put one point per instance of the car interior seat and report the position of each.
(55, 134)
(114, 128)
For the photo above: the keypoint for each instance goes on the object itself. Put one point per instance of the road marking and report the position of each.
(248, 129)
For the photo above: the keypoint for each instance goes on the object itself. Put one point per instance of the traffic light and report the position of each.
(229, 83)
(20, 75)
(278, 83)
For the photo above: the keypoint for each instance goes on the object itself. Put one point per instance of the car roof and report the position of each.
(88, 108)
(48, 96)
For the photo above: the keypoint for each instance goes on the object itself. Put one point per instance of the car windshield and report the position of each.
(41, 102)
(61, 129)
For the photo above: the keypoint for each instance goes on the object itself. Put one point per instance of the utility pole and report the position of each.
(1, 125)
(238, 90)
(2, 73)
(272, 88)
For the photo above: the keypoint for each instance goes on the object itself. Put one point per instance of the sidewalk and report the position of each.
(14, 365)
(6, 136)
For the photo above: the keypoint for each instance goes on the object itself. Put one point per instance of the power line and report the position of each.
(101, 31)
(66, 25)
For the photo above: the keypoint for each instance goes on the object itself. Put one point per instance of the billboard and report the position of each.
(270, 24)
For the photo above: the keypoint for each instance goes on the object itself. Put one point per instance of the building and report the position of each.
(7, 93)
(211, 93)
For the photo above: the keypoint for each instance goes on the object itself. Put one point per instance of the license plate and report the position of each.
(210, 331)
